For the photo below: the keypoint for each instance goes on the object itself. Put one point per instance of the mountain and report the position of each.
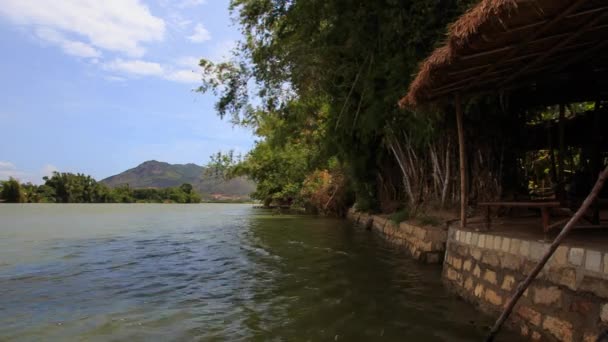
(155, 174)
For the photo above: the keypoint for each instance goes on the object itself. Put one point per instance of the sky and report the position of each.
(98, 87)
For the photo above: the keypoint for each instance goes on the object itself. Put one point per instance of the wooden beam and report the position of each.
(568, 10)
(463, 162)
(556, 48)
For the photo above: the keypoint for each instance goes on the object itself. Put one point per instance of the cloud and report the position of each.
(176, 73)
(188, 61)
(8, 169)
(116, 25)
(135, 67)
(200, 34)
(191, 3)
(71, 47)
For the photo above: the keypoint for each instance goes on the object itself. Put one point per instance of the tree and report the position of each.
(12, 192)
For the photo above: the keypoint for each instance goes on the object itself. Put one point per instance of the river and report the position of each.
(213, 272)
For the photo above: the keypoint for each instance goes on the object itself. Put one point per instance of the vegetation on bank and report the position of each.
(319, 82)
(80, 188)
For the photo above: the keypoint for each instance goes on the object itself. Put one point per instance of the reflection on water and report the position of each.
(212, 272)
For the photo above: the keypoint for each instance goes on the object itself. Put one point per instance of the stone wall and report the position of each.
(567, 302)
(426, 244)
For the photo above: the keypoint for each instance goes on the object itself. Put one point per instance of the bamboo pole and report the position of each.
(463, 171)
(521, 288)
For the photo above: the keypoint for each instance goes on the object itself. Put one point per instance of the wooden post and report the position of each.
(562, 151)
(463, 163)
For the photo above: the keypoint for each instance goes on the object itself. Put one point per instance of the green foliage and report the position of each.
(12, 192)
(328, 75)
(400, 216)
(79, 188)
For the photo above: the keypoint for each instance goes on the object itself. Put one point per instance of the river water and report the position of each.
(213, 272)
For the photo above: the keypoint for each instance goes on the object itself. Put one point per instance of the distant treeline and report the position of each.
(80, 188)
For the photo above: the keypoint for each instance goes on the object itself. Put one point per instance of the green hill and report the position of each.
(155, 174)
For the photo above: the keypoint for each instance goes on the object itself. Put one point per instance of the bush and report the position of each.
(400, 216)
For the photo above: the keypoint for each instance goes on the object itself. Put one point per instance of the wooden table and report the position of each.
(544, 207)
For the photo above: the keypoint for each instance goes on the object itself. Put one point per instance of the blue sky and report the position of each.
(100, 86)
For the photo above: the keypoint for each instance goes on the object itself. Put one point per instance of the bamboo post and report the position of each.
(521, 288)
(562, 150)
(463, 171)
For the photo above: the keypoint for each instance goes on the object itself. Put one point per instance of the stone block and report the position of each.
(457, 263)
(559, 328)
(510, 261)
(593, 260)
(507, 283)
(468, 237)
(490, 258)
(478, 292)
(551, 295)
(514, 248)
(477, 271)
(469, 284)
(457, 235)
(560, 257)
(576, 255)
(497, 242)
(537, 250)
(524, 248)
(467, 265)
(476, 253)
(529, 315)
(489, 241)
(474, 239)
(582, 306)
(481, 242)
(604, 313)
(490, 277)
(506, 244)
(493, 297)
(589, 337)
(420, 233)
(452, 274)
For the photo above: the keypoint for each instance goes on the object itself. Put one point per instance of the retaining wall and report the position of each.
(567, 302)
(424, 243)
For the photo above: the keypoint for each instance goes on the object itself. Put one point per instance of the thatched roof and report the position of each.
(508, 44)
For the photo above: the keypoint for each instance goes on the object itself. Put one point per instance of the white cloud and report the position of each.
(191, 3)
(116, 25)
(70, 47)
(188, 61)
(8, 169)
(135, 67)
(200, 34)
(47, 170)
(184, 76)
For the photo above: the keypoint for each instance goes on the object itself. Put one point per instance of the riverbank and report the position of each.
(567, 302)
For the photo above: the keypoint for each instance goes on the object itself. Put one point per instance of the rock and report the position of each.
(469, 283)
(490, 258)
(558, 328)
(604, 313)
(457, 263)
(477, 271)
(514, 248)
(536, 336)
(506, 243)
(493, 297)
(451, 274)
(575, 257)
(478, 292)
(529, 315)
(593, 259)
(507, 283)
(560, 257)
(490, 277)
(548, 296)
(512, 262)
(582, 306)
(467, 265)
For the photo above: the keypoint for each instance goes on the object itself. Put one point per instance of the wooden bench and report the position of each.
(544, 207)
